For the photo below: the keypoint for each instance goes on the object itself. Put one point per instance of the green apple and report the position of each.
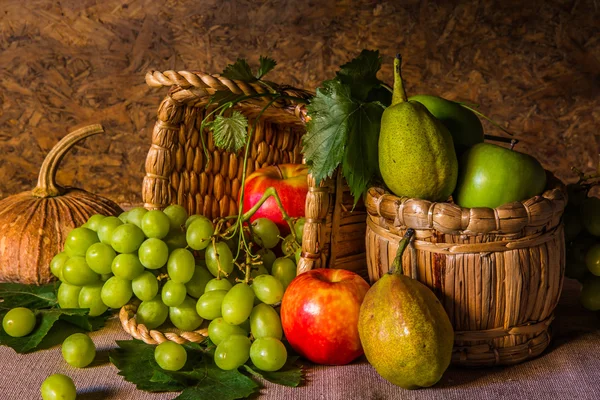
(490, 176)
(464, 126)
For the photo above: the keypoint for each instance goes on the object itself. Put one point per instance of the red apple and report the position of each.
(319, 315)
(290, 181)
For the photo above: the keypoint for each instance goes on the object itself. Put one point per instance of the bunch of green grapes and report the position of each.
(184, 271)
(582, 237)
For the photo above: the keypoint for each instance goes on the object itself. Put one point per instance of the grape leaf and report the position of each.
(229, 133)
(289, 375)
(223, 96)
(30, 296)
(240, 71)
(75, 320)
(361, 73)
(266, 65)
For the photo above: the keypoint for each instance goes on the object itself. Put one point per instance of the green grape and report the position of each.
(268, 289)
(18, 322)
(123, 216)
(267, 257)
(218, 284)
(299, 229)
(217, 255)
(191, 219)
(181, 265)
(145, 286)
(284, 269)
(245, 325)
(237, 304)
(126, 238)
(177, 216)
(268, 354)
(170, 356)
(173, 293)
(127, 266)
(68, 295)
(93, 222)
(90, 297)
(99, 258)
(265, 322)
(78, 241)
(156, 224)
(58, 387)
(105, 277)
(185, 316)
(153, 253)
(175, 240)
(116, 292)
(199, 232)
(259, 270)
(289, 245)
(219, 330)
(297, 255)
(209, 304)
(592, 259)
(266, 233)
(152, 313)
(78, 350)
(106, 227)
(195, 287)
(78, 273)
(135, 216)
(57, 263)
(232, 352)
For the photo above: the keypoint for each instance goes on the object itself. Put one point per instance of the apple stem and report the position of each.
(396, 267)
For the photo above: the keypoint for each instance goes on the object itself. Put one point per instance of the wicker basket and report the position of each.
(176, 173)
(498, 272)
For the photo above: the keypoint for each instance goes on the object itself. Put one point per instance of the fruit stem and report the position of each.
(493, 138)
(491, 121)
(399, 94)
(396, 267)
(46, 184)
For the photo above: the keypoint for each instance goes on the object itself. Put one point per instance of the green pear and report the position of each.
(462, 123)
(492, 175)
(416, 151)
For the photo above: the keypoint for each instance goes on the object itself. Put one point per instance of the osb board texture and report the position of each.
(533, 66)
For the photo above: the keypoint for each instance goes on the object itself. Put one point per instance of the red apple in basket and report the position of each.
(319, 315)
(290, 181)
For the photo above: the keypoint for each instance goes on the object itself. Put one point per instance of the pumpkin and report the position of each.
(34, 224)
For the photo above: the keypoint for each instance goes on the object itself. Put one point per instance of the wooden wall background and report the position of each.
(532, 65)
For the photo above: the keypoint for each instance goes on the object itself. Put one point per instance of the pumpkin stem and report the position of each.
(46, 185)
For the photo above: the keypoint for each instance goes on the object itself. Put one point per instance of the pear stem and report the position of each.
(399, 94)
(396, 267)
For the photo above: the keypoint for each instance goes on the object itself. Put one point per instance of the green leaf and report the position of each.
(361, 73)
(361, 159)
(216, 384)
(240, 71)
(31, 296)
(289, 375)
(75, 319)
(223, 96)
(327, 132)
(266, 65)
(229, 133)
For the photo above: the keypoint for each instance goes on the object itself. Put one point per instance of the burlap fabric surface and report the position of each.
(569, 369)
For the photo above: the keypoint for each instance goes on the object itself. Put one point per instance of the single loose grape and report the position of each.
(58, 387)
(185, 316)
(219, 257)
(177, 215)
(68, 295)
(152, 313)
(170, 356)
(78, 273)
(78, 350)
(218, 284)
(237, 304)
(106, 227)
(116, 292)
(126, 238)
(145, 286)
(199, 232)
(57, 263)
(196, 286)
(93, 222)
(219, 330)
(18, 322)
(153, 253)
(135, 216)
(155, 224)
(99, 258)
(173, 293)
(284, 269)
(232, 352)
(268, 354)
(90, 297)
(265, 322)
(268, 289)
(127, 266)
(266, 233)
(209, 304)
(181, 265)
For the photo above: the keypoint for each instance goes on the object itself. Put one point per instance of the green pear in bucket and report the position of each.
(416, 151)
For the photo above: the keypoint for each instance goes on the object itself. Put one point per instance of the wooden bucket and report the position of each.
(497, 272)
